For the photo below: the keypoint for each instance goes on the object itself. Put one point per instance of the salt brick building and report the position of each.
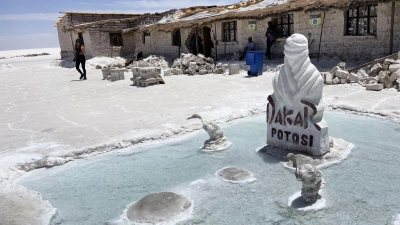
(356, 29)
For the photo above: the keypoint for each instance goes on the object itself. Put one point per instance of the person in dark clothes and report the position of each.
(79, 51)
(270, 34)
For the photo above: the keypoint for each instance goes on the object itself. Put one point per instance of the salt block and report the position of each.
(167, 72)
(335, 80)
(336, 68)
(394, 67)
(234, 69)
(353, 77)
(177, 71)
(343, 81)
(374, 87)
(193, 65)
(106, 73)
(342, 74)
(295, 116)
(394, 76)
(328, 78)
(376, 69)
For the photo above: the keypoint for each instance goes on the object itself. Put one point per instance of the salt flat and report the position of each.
(46, 111)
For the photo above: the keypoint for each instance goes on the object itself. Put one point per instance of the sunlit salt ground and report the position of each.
(364, 189)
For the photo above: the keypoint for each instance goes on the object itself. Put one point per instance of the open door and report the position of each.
(207, 42)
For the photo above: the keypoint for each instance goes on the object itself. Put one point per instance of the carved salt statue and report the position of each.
(217, 139)
(295, 109)
(312, 181)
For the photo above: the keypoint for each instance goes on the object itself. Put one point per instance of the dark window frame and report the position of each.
(227, 28)
(116, 39)
(176, 37)
(279, 24)
(145, 33)
(357, 19)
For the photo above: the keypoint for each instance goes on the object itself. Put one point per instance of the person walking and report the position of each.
(270, 39)
(79, 52)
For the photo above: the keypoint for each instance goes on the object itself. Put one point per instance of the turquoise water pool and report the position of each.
(364, 189)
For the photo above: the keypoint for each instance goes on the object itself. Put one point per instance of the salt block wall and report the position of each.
(258, 36)
(74, 19)
(160, 43)
(336, 43)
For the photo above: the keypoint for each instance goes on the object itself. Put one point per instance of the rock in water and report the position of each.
(295, 110)
(235, 175)
(312, 181)
(160, 207)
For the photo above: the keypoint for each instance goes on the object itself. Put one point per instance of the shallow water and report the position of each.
(364, 189)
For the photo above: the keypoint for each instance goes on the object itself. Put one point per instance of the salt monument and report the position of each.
(217, 141)
(295, 109)
(312, 182)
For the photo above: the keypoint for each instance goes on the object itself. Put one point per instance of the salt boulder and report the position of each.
(187, 58)
(164, 207)
(328, 78)
(193, 65)
(342, 74)
(210, 60)
(362, 73)
(203, 71)
(334, 70)
(394, 67)
(235, 175)
(177, 63)
(335, 80)
(394, 76)
(175, 71)
(376, 69)
(201, 59)
(343, 80)
(374, 87)
(353, 77)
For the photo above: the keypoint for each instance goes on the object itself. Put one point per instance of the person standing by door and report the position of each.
(79, 52)
(270, 34)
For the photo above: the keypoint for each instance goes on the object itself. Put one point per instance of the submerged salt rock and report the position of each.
(160, 207)
(235, 175)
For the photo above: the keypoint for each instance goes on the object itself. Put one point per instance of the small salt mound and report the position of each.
(160, 208)
(297, 202)
(6, 66)
(235, 175)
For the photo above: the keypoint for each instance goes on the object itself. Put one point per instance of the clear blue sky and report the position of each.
(30, 23)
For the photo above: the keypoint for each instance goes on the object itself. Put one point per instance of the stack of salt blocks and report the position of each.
(142, 76)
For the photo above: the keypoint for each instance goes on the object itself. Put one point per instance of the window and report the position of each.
(229, 31)
(284, 25)
(116, 39)
(176, 38)
(145, 34)
(362, 20)
(80, 36)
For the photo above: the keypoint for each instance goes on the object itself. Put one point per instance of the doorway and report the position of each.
(207, 42)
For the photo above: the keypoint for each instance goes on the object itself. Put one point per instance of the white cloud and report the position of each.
(31, 16)
(44, 40)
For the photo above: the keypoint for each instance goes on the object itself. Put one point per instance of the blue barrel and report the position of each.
(255, 60)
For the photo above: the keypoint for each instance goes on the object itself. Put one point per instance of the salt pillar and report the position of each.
(295, 109)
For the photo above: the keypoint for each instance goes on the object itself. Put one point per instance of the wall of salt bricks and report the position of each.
(336, 43)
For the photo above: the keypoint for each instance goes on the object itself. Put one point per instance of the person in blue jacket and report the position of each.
(250, 46)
